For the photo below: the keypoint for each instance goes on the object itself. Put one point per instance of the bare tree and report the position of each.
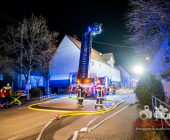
(148, 23)
(39, 45)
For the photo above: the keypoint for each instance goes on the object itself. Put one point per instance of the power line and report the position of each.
(113, 45)
(9, 18)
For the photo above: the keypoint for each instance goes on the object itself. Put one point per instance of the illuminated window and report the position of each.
(74, 79)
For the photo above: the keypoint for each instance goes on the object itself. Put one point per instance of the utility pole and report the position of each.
(20, 78)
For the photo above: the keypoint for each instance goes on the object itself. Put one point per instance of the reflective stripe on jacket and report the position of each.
(99, 94)
(80, 93)
(8, 90)
(2, 92)
(111, 88)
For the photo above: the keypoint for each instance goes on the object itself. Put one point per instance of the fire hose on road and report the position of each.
(71, 113)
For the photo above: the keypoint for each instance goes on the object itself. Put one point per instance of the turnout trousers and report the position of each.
(3, 100)
(99, 100)
(8, 99)
(113, 92)
(80, 101)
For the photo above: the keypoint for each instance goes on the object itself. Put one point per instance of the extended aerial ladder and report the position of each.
(86, 46)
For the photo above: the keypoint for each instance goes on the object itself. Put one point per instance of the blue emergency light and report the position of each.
(95, 29)
(94, 90)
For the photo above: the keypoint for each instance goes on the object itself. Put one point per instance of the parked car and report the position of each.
(56, 90)
(45, 90)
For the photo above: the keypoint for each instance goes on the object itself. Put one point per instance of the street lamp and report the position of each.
(138, 70)
(147, 58)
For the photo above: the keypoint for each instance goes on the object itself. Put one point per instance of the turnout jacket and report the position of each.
(80, 93)
(111, 88)
(2, 92)
(8, 90)
(104, 90)
(100, 94)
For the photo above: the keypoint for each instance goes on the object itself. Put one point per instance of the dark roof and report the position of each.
(126, 69)
(166, 72)
(78, 44)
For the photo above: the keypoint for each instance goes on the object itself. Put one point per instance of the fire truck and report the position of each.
(83, 72)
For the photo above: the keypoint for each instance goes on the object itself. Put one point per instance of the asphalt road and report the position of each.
(20, 123)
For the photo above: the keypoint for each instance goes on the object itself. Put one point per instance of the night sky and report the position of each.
(73, 17)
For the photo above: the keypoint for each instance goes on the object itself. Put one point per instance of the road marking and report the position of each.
(107, 118)
(87, 129)
(22, 107)
(42, 131)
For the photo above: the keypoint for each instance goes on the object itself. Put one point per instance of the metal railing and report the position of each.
(48, 96)
(155, 102)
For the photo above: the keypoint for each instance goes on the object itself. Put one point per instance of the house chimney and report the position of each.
(100, 54)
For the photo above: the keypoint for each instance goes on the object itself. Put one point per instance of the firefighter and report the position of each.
(3, 98)
(111, 89)
(99, 97)
(70, 88)
(80, 95)
(8, 90)
(104, 92)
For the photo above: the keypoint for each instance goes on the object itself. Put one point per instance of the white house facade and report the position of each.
(65, 63)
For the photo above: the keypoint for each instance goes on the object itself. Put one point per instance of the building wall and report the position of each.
(65, 63)
(110, 62)
(125, 77)
(34, 81)
(166, 85)
(102, 70)
(66, 59)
